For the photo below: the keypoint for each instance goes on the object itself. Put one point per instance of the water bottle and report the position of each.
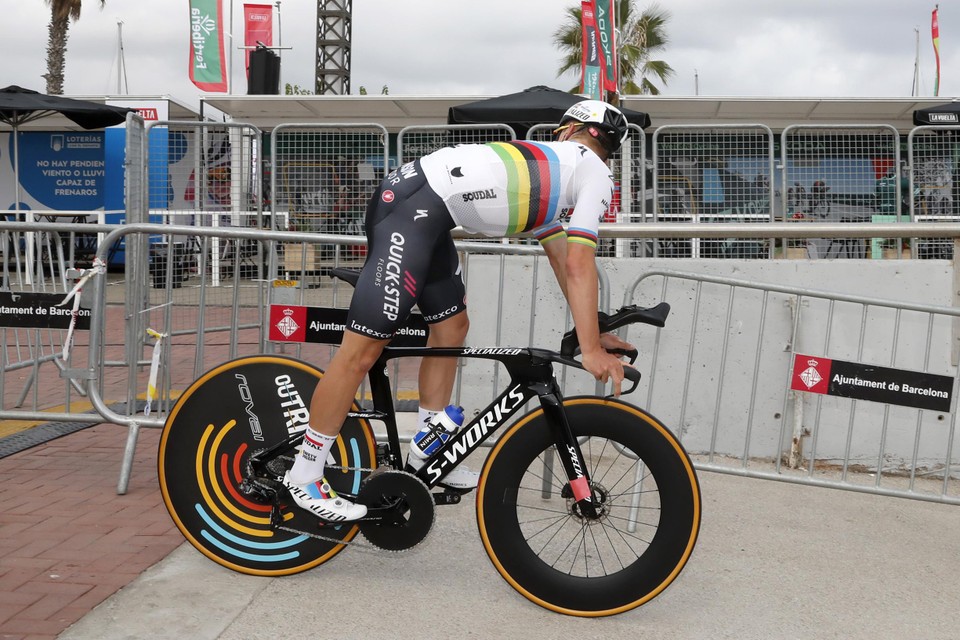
(436, 432)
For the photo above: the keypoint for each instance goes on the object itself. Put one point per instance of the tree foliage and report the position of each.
(62, 12)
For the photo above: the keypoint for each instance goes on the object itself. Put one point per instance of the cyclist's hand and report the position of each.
(604, 367)
(611, 342)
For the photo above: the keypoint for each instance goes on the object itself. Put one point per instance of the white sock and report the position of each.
(424, 416)
(310, 462)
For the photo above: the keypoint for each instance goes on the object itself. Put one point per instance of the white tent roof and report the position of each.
(396, 112)
(56, 122)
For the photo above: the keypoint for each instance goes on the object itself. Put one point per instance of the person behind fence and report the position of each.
(497, 189)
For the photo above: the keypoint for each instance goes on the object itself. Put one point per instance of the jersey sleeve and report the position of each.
(549, 232)
(594, 189)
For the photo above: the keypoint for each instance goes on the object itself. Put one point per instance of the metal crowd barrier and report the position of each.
(200, 325)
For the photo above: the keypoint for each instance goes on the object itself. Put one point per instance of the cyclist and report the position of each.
(498, 189)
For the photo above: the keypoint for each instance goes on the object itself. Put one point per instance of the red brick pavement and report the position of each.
(67, 540)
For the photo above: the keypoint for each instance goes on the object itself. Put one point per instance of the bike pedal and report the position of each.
(447, 497)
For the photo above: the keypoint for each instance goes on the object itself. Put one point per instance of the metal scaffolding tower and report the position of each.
(334, 21)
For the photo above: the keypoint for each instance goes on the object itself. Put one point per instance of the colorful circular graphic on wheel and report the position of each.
(240, 407)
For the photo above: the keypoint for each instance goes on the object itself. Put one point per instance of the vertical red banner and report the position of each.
(591, 84)
(257, 26)
(935, 36)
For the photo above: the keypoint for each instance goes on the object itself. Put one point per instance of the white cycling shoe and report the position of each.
(460, 479)
(321, 500)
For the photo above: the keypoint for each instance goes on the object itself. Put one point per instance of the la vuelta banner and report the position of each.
(208, 68)
(257, 27)
(591, 60)
(867, 382)
(607, 29)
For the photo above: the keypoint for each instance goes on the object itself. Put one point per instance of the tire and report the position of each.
(590, 568)
(208, 437)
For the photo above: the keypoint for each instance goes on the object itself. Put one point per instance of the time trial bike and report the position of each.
(587, 506)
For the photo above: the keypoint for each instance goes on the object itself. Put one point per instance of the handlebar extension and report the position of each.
(655, 316)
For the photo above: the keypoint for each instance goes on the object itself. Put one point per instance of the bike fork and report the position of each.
(570, 455)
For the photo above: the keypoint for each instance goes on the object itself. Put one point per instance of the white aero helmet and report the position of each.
(604, 116)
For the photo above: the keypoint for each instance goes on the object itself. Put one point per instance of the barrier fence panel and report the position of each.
(206, 175)
(416, 141)
(712, 174)
(933, 185)
(35, 329)
(807, 386)
(321, 180)
(841, 174)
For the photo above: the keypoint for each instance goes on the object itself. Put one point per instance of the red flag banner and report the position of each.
(607, 28)
(935, 35)
(591, 84)
(208, 69)
(257, 27)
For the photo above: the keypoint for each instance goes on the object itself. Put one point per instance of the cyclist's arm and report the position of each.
(575, 267)
(555, 246)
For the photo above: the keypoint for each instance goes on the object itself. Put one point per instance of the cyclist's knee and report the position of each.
(451, 332)
(359, 353)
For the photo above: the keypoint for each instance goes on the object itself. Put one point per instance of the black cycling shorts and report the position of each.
(411, 258)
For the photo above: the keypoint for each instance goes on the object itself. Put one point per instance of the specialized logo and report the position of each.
(483, 194)
(393, 273)
(457, 172)
(421, 213)
(388, 196)
(295, 412)
(490, 351)
(579, 485)
(287, 325)
(247, 398)
(468, 440)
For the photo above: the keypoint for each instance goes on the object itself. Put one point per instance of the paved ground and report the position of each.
(67, 540)
(774, 561)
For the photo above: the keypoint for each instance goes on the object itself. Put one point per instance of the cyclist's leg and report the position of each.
(437, 374)
(398, 259)
(443, 303)
(332, 398)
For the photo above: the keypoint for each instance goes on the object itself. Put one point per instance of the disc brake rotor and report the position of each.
(406, 506)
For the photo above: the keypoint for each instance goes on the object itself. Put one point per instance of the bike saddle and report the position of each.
(347, 275)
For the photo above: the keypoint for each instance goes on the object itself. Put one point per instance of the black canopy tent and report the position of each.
(522, 110)
(942, 114)
(19, 106)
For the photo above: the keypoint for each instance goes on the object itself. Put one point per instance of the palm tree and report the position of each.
(639, 39)
(61, 13)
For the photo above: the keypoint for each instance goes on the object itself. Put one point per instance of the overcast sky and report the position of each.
(813, 48)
